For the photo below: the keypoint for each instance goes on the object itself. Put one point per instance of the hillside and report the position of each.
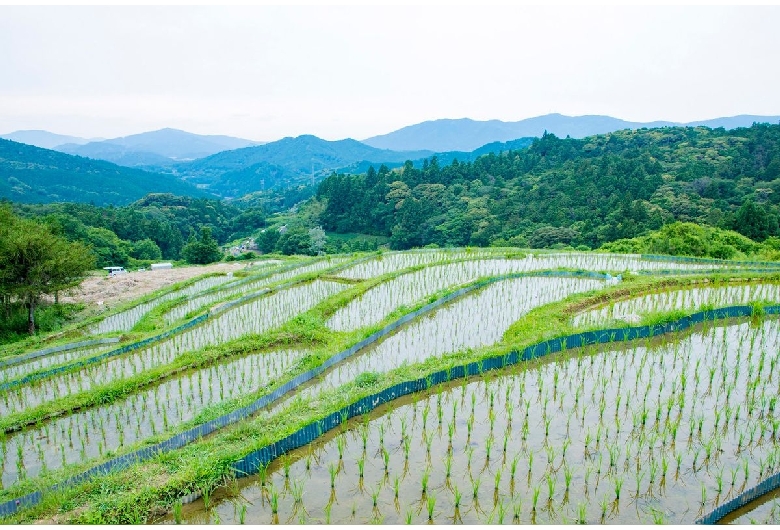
(282, 163)
(158, 224)
(570, 191)
(161, 147)
(29, 174)
(688, 239)
(467, 135)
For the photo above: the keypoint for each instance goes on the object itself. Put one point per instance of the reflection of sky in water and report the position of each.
(689, 299)
(260, 315)
(592, 405)
(475, 320)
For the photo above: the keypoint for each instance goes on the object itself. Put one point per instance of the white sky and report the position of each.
(268, 72)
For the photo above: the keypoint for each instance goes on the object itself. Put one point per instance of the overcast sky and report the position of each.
(268, 72)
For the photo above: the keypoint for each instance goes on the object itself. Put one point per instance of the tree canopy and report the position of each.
(202, 250)
(569, 192)
(35, 262)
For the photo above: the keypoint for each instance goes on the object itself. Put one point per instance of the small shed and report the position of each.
(160, 266)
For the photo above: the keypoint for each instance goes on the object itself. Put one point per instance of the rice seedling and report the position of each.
(431, 506)
(177, 512)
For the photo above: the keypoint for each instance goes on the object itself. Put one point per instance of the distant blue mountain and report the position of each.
(282, 163)
(466, 134)
(30, 174)
(156, 148)
(43, 139)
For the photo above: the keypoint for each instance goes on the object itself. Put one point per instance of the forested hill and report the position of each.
(569, 191)
(31, 174)
(286, 162)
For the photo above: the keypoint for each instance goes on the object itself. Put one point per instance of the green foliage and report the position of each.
(203, 250)
(146, 249)
(165, 220)
(109, 250)
(367, 379)
(35, 175)
(571, 192)
(295, 240)
(34, 262)
(48, 318)
(688, 239)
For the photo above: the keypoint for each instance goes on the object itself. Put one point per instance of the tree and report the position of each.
(318, 239)
(203, 250)
(146, 249)
(267, 239)
(34, 262)
(109, 250)
(753, 221)
(295, 240)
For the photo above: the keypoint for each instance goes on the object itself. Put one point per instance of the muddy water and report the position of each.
(677, 427)
(254, 317)
(94, 432)
(687, 299)
(764, 510)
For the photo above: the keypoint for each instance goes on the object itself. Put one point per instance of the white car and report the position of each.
(115, 271)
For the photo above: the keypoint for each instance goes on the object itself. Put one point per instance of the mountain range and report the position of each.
(285, 162)
(44, 139)
(156, 148)
(466, 134)
(181, 162)
(32, 174)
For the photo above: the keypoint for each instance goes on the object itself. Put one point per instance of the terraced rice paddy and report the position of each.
(660, 430)
(126, 320)
(476, 320)
(679, 300)
(254, 317)
(244, 287)
(87, 435)
(372, 307)
(596, 436)
(17, 371)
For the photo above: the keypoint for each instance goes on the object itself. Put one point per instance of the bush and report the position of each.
(202, 251)
(48, 318)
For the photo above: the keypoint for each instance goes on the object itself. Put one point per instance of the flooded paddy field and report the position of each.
(17, 371)
(475, 320)
(126, 320)
(95, 432)
(378, 302)
(649, 433)
(244, 287)
(688, 299)
(252, 317)
(532, 262)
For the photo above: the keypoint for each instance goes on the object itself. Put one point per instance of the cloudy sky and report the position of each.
(268, 72)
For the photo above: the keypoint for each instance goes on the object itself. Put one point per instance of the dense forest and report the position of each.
(652, 190)
(33, 175)
(155, 227)
(568, 192)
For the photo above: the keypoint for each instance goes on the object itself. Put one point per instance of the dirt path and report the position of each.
(102, 292)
